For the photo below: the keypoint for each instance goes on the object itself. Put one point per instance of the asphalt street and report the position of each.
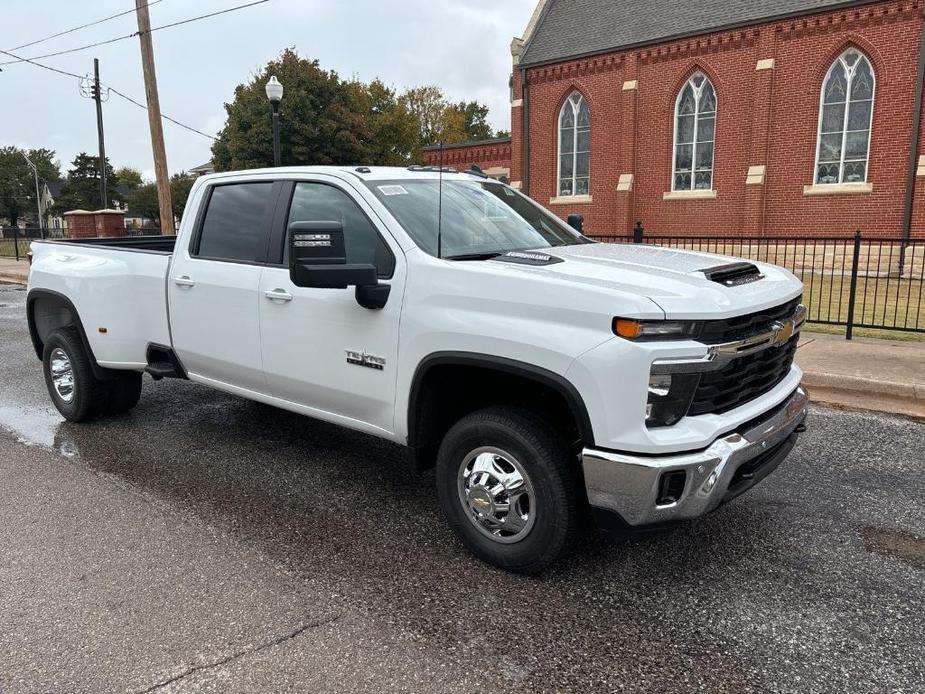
(203, 543)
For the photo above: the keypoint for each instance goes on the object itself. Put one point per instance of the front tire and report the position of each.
(74, 389)
(509, 488)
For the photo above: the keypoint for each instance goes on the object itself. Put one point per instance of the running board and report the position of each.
(163, 363)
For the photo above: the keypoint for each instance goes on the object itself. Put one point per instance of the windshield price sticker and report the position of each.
(393, 190)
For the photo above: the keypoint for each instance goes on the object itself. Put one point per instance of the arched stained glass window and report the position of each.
(694, 133)
(574, 147)
(845, 115)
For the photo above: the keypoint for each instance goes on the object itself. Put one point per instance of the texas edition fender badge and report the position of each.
(363, 359)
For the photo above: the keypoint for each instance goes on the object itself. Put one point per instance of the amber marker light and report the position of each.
(626, 328)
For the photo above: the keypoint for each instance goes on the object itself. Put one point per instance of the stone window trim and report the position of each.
(573, 154)
(694, 135)
(846, 110)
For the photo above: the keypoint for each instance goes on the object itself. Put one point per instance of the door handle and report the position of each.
(184, 281)
(278, 295)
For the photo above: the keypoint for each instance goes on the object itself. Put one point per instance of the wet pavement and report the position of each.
(205, 543)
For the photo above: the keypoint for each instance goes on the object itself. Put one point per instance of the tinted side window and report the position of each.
(318, 202)
(234, 226)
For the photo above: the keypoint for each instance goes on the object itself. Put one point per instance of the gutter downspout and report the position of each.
(525, 132)
(913, 151)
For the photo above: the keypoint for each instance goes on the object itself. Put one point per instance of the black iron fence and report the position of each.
(855, 282)
(851, 281)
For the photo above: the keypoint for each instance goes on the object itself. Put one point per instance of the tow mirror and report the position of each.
(318, 259)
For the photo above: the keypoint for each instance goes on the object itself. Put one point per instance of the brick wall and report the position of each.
(490, 156)
(765, 117)
(98, 224)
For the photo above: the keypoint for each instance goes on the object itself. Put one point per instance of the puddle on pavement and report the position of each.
(36, 426)
(895, 543)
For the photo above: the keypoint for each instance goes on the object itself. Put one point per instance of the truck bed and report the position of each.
(158, 244)
(116, 285)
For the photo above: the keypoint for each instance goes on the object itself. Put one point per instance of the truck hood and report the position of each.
(672, 278)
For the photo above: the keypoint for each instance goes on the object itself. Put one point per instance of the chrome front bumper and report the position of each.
(628, 485)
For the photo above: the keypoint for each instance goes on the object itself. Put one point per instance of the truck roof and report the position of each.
(365, 173)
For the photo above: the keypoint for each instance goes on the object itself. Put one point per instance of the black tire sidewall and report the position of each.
(544, 459)
(87, 388)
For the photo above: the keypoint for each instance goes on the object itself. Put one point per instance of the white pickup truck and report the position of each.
(542, 374)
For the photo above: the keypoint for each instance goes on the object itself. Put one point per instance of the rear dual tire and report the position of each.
(74, 388)
(509, 489)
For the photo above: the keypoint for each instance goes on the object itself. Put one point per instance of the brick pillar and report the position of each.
(626, 181)
(757, 175)
(517, 112)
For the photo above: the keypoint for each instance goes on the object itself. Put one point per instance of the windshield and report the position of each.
(479, 217)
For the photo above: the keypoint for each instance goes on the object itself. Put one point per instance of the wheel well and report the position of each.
(48, 311)
(448, 388)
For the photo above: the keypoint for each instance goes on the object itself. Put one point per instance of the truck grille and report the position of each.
(718, 331)
(743, 379)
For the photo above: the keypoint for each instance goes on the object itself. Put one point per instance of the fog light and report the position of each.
(669, 398)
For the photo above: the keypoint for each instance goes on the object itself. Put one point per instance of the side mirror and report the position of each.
(576, 221)
(318, 259)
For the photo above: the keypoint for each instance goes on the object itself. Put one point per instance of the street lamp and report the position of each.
(275, 95)
(38, 198)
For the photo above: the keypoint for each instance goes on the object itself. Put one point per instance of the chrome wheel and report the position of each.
(496, 494)
(62, 374)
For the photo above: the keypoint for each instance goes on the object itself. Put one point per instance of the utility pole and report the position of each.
(154, 118)
(97, 96)
(38, 195)
(92, 90)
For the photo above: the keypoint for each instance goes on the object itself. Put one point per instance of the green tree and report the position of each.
(321, 116)
(394, 136)
(327, 120)
(128, 177)
(17, 182)
(81, 189)
(180, 185)
(143, 202)
(439, 121)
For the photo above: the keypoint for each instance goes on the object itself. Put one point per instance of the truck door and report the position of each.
(321, 349)
(212, 286)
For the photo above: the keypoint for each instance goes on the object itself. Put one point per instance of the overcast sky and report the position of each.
(460, 45)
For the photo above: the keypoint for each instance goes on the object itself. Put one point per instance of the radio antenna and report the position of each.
(440, 206)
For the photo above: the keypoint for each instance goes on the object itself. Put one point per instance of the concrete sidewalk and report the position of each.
(867, 374)
(12, 271)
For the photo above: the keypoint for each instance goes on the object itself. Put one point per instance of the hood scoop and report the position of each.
(733, 274)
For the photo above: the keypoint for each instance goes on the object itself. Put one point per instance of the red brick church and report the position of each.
(793, 117)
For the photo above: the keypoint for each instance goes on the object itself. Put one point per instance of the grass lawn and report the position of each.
(879, 301)
(7, 250)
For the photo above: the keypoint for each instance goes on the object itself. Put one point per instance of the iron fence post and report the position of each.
(16, 241)
(638, 231)
(852, 292)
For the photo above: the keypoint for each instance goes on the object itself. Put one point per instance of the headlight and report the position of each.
(641, 330)
(670, 397)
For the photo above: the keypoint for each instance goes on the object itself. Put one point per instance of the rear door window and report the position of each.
(235, 226)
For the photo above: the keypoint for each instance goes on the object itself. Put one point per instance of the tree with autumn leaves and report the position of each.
(329, 120)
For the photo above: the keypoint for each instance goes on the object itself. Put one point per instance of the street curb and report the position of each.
(865, 387)
(12, 279)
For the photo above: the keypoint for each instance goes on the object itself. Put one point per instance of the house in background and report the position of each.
(203, 169)
(797, 117)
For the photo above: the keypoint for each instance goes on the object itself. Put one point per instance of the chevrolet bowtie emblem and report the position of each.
(783, 332)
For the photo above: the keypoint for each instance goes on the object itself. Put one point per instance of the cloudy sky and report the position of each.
(460, 45)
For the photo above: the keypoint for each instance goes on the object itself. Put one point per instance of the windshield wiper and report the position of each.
(475, 256)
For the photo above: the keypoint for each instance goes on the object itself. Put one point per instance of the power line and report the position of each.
(163, 115)
(136, 33)
(82, 26)
(110, 88)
